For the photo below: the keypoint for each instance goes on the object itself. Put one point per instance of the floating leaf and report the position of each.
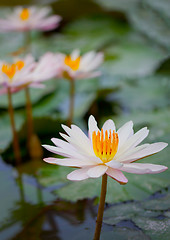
(145, 94)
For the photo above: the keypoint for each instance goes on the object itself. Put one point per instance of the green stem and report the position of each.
(71, 108)
(33, 142)
(101, 208)
(16, 148)
(29, 115)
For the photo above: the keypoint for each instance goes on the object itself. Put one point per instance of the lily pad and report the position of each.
(149, 93)
(145, 215)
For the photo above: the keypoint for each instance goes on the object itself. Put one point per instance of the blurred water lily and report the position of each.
(48, 66)
(15, 75)
(79, 67)
(105, 151)
(25, 72)
(30, 18)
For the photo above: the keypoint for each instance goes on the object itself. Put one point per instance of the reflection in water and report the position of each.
(33, 213)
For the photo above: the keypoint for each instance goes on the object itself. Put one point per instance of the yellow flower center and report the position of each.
(11, 69)
(105, 147)
(24, 15)
(73, 64)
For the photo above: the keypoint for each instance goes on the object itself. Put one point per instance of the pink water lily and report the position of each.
(80, 67)
(23, 72)
(14, 75)
(29, 18)
(105, 151)
(49, 66)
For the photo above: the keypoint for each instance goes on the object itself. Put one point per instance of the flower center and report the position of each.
(73, 64)
(105, 147)
(24, 15)
(11, 69)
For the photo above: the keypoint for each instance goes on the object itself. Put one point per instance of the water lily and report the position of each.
(76, 67)
(80, 67)
(29, 18)
(15, 75)
(48, 67)
(105, 151)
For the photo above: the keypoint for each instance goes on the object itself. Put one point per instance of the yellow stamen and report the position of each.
(11, 69)
(73, 64)
(19, 65)
(24, 15)
(105, 147)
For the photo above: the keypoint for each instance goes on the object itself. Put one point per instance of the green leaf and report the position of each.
(155, 228)
(117, 5)
(132, 58)
(149, 93)
(145, 215)
(146, 16)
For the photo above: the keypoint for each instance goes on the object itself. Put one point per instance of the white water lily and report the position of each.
(80, 67)
(105, 151)
(29, 18)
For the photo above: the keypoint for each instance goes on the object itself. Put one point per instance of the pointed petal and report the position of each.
(109, 124)
(150, 149)
(78, 175)
(70, 162)
(133, 141)
(125, 132)
(92, 126)
(79, 140)
(97, 171)
(143, 168)
(117, 175)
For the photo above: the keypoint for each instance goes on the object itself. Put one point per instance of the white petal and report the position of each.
(92, 126)
(79, 140)
(78, 175)
(109, 125)
(69, 151)
(114, 164)
(143, 168)
(133, 141)
(68, 162)
(117, 175)
(148, 150)
(97, 171)
(132, 151)
(75, 54)
(125, 132)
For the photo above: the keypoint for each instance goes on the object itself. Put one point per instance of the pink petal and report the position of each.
(97, 171)
(117, 175)
(114, 164)
(78, 175)
(143, 168)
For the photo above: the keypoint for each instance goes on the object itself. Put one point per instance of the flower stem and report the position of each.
(72, 95)
(33, 142)
(101, 208)
(16, 148)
